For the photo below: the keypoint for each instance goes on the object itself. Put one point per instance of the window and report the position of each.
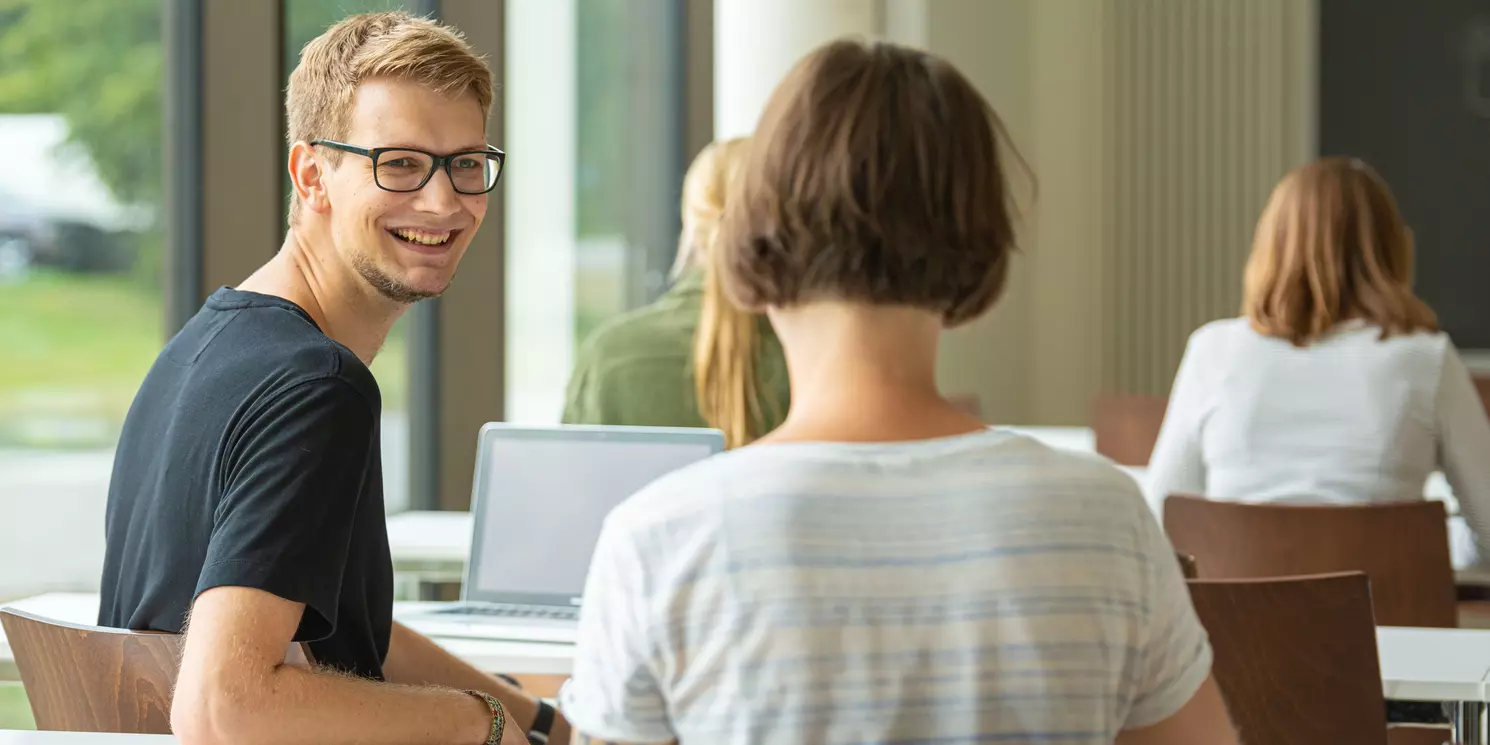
(81, 244)
(305, 20)
(594, 120)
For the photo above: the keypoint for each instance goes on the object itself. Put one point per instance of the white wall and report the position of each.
(1048, 68)
(757, 41)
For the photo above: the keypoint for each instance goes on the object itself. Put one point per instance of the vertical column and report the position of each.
(757, 41)
(471, 351)
(1069, 110)
(541, 111)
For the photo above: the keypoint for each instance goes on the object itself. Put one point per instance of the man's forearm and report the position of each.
(295, 705)
(416, 660)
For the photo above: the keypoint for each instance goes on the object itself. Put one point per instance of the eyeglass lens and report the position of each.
(407, 170)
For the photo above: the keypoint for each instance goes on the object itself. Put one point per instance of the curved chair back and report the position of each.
(1296, 657)
(1403, 547)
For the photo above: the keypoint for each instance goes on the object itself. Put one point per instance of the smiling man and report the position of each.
(247, 489)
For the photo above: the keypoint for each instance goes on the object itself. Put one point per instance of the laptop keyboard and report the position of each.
(512, 610)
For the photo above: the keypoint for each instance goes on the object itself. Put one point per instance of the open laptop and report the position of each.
(538, 501)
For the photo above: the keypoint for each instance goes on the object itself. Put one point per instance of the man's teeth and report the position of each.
(420, 236)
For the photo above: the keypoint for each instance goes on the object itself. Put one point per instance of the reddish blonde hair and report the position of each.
(1331, 246)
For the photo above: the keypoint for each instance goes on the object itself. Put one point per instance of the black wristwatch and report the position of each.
(542, 723)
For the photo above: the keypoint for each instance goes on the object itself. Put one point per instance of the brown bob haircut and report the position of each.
(874, 176)
(1331, 247)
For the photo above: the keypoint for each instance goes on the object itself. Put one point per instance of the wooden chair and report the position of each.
(1482, 385)
(91, 679)
(1188, 567)
(1419, 734)
(1295, 657)
(88, 679)
(1403, 547)
(1127, 426)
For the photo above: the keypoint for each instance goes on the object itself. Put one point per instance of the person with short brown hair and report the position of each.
(247, 491)
(1335, 385)
(883, 567)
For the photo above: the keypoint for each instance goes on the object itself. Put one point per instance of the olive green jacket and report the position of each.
(637, 368)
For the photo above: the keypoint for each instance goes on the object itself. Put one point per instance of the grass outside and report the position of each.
(74, 349)
(15, 712)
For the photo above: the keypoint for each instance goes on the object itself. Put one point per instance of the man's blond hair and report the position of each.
(396, 45)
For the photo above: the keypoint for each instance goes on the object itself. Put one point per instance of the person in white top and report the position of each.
(883, 567)
(1335, 386)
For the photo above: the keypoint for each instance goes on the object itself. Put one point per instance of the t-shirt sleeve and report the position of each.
(292, 473)
(613, 693)
(1175, 653)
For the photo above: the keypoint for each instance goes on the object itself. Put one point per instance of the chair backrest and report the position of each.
(1403, 547)
(1482, 385)
(1295, 657)
(1126, 427)
(1188, 566)
(89, 679)
(1419, 734)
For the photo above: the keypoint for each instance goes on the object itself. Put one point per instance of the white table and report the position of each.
(1446, 665)
(433, 539)
(512, 658)
(428, 547)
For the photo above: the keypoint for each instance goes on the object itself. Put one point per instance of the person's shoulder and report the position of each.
(274, 347)
(645, 331)
(689, 490)
(1223, 331)
(1039, 460)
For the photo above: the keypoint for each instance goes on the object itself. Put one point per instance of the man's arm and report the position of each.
(415, 660)
(1201, 721)
(235, 688)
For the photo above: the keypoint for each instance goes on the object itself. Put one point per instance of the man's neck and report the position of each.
(338, 299)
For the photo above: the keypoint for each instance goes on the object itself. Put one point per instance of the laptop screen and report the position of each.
(542, 495)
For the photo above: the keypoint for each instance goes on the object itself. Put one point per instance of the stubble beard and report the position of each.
(389, 287)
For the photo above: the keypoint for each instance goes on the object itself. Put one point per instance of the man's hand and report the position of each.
(234, 687)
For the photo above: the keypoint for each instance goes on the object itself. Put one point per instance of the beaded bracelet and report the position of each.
(498, 717)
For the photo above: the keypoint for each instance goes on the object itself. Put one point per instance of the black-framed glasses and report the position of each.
(402, 169)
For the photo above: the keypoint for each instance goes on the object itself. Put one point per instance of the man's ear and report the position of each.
(308, 178)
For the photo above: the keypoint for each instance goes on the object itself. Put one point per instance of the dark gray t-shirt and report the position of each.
(250, 458)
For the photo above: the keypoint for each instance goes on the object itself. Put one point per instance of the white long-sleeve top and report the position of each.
(1348, 419)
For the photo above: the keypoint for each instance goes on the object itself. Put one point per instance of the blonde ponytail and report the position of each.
(726, 342)
(724, 375)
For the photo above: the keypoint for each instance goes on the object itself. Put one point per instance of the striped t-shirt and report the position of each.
(976, 588)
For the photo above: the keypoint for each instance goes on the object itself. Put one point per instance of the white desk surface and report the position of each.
(435, 537)
(1416, 664)
(513, 658)
(1434, 664)
(14, 737)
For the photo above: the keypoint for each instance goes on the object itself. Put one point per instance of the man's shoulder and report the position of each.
(266, 349)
